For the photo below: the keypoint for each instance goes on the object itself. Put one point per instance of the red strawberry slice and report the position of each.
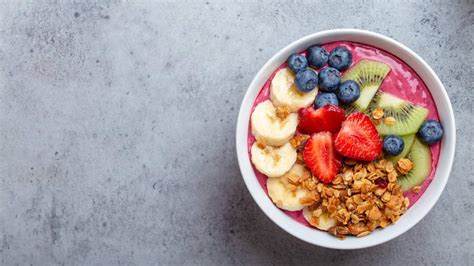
(327, 118)
(321, 156)
(358, 139)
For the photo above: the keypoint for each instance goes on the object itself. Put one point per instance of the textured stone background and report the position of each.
(117, 124)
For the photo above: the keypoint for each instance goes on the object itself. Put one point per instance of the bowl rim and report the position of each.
(445, 161)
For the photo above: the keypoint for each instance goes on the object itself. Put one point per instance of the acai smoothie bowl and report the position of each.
(345, 139)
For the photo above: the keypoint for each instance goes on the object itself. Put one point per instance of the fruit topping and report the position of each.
(340, 58)
(430, 132)
(273, 161)
(358, 139)
(319, 219)
(348, 91)
(401, 116)
(268, 124)
(283, 91)
(393, 145)
(329, 79)
(321, 157)
(408, 142)
(306, 80)
(327, 118)
(283, 190)
(420, 155)
(317, 56)
(369, 75)
(297, 62)
(325, 98)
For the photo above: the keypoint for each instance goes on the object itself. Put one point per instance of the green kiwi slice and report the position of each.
(408, 116)
(408, 142)
(369, 74)
(420, 155)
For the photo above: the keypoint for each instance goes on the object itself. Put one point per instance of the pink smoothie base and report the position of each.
(402, 81)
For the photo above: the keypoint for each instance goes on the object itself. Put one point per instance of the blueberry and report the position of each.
(306, 80)
(393, 145)
(297, 62)
(430, 132)
(317, 56)
(340, 58)
(348, 91)
(329, 79)
(325, 98)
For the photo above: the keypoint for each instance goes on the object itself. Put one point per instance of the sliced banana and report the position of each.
(267, 125)
(273, 161)
(324, 221)
(281, 195)
(283, 91)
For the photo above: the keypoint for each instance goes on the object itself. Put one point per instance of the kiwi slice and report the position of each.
(420, 155)
(369, 74)
(408, 142)
(408, 116)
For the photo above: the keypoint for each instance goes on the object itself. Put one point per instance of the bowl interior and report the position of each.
(419, 209)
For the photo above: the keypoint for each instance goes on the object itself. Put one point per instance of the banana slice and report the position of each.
(283, 91)
(273, 161)
(281, 195)
(324, 221)
(267, 125)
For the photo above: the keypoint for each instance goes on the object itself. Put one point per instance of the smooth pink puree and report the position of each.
(402, 81)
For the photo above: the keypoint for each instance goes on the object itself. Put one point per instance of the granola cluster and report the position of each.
(362, 197)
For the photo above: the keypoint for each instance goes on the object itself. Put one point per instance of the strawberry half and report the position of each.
(321, 156)
(327, 118)
(358, 138)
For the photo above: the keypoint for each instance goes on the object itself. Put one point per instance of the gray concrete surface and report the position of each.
(117, 125)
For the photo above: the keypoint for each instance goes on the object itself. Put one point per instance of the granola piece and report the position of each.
(347, 176)
(314, 221)
(317, 212)
(298, 140)
(390, 121)
(371, 167)
(293, 178)
(337, 180)
(261, 142)
(416, 189)
(379, 191)
(332, 205)
(365, 233)
(374, 214)
(389, 167)
(384, 223)
(356, 229)
(404, 166)
(386, 196)
(377, 113)
(406, 202)
(282, 112)
(311, 198)
(392, 177)
(310, 184)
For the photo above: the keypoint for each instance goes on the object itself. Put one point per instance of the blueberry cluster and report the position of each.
(307, 79)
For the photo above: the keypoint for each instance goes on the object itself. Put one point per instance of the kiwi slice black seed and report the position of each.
(408, 116)
(369, 74)
(420, 155)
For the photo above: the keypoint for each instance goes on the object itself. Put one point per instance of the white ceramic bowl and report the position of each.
(419, 209)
